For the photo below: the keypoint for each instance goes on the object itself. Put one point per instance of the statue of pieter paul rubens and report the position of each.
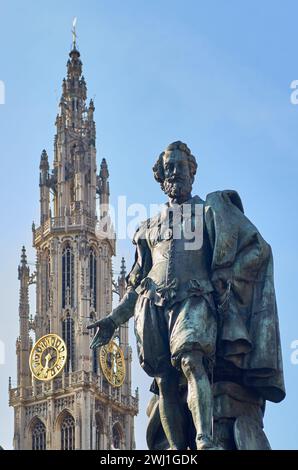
(202, 295)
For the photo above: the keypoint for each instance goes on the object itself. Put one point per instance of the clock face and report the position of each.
(48, 357)
(112, 363)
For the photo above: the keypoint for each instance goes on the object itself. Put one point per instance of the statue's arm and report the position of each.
(125, 310)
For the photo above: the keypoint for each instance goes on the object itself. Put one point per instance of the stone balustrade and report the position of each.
(71, 223)
(69, 382)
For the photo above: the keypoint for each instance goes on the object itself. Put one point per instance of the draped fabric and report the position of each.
(248, 335)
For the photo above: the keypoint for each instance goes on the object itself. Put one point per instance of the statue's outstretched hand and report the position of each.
(105, 330)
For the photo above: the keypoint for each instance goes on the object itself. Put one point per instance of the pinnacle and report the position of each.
(24, 256)
(104, 172)
(123, 267)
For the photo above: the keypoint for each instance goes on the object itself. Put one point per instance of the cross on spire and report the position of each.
(74, 33)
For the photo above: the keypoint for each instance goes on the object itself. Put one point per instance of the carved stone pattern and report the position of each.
(65, 402)
(40, 409)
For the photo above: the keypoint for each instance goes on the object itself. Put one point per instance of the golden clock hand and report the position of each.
(114, 362)
(47, 358)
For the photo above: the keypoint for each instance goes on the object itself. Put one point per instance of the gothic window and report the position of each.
(98, 433)
(67, 277)
(68, 433)
(68, 338)
(38, 435)
(93, 278)
(116, 437)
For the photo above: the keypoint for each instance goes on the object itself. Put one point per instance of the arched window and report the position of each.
(99, 433)
(116, 437)
(38, 435)
(68, 433)
(93, 278)
(69, 337)
(67, 277)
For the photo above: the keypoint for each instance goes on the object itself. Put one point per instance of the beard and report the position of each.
(177, 188)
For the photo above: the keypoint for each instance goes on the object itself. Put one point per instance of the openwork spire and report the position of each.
(73, 110)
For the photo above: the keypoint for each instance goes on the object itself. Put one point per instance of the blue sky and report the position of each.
(214, 74)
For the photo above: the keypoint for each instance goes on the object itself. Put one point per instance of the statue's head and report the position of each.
(175, 170)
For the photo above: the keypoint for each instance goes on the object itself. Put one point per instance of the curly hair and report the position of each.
(158, 169)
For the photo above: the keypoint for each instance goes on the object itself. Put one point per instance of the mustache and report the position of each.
(176, 179)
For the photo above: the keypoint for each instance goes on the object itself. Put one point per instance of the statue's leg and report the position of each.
(170, 410)
(199, 396)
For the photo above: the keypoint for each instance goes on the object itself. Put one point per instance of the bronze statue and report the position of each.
(202, 295)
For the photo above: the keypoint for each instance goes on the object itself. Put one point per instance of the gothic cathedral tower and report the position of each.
(80, 408)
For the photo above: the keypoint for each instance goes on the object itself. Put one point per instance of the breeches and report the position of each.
(165, 333)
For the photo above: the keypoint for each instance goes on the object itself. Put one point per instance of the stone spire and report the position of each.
(44, 163)
(23, 264)
(91, 127)
(121, 279)
(74, 175)
(74, 93)
(44, 187)
(123, 268)
(104, 188)
(23, 340)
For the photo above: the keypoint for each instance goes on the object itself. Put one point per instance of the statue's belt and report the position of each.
(173, 292)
